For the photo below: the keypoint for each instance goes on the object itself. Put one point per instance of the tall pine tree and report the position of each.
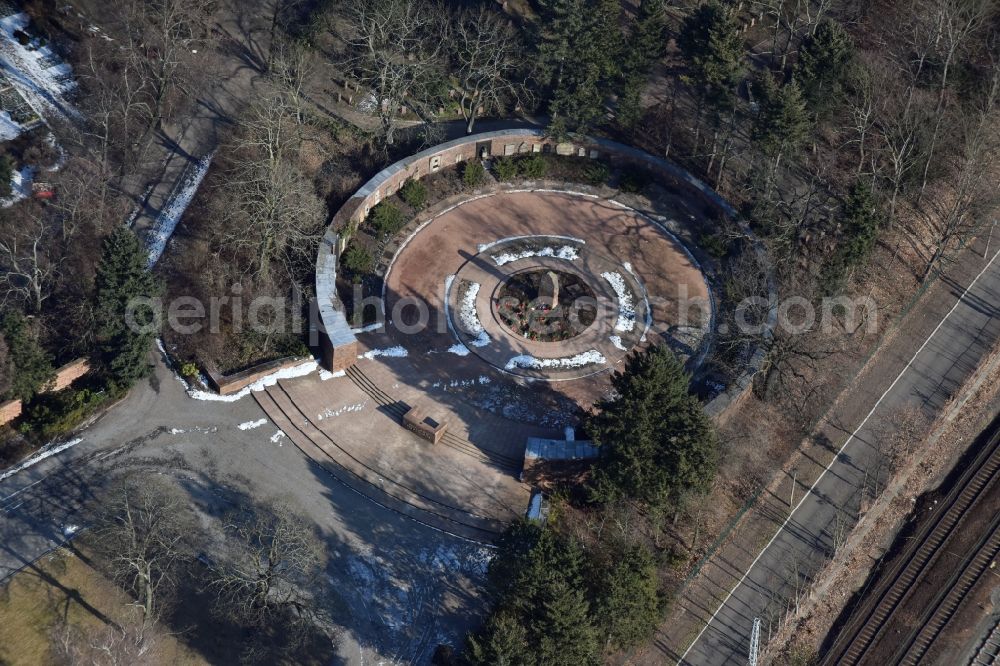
(646, 45)
(579, 52)
(823, 63)
(710, 41)
(657, 443)
(503, 642)
(566, 635)
(127, 323)
(30, 366)
(627, 606)
(863, 218)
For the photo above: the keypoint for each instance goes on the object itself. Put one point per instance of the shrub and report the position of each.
(473, 174)
(387, 219)
(532, 166)
(633, 181)
(505, 169)
(596, 173)
(414, 192)
(189, 370)
(6, 172)
(51, 415)
(715, 245)
(22, 37)
(357, 259)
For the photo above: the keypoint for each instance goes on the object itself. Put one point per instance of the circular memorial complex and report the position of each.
(545, 285)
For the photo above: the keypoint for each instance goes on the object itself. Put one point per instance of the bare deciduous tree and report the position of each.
(487, 52)
(29, 259)
(268, 208)
(162, 36)
(274, 571)
(392, 49)
(141, 530)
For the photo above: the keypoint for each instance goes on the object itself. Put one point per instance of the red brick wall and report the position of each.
(65, 376)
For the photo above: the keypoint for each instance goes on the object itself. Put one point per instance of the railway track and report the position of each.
(862, 632)
(989, 652)
(397, 409)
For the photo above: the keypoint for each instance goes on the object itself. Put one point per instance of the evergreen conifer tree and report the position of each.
(657, 443)
(123, 280)
(30, 366)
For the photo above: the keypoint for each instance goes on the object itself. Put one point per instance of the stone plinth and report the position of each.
(417, 421)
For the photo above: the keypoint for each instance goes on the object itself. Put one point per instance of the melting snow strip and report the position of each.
(301, 370)
(46, 452)
(250, 425)
(530, 362)
(390, 352)
(626, 308)
(566, 252)
(482, 247)
(172, 212)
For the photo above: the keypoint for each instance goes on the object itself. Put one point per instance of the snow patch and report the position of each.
(459, 350)
(391, 352)
(483, 380)
(300, 370)
(368, 329)
(482, 247)
(469, 316)
(9, 128)
(346, 409)
(626, 308)
(325, 375)
(616, 340)
(532, 363)
(566, 252)
(250, 425)
(36, 71)
(276, 437)
(46, 452)
(173, 210)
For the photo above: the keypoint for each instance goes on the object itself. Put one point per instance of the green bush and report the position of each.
(357, 259)
(189, 370)
(596, 173)
(387, 219)
(715, 245)
(532, 166)
(633, 181)
(505, 169)
(51, 415)
(473, 174)
(6, 171)
(414, 192)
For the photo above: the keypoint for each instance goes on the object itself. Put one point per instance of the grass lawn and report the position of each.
(62, 587)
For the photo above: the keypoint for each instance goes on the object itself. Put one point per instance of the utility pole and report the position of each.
(754, 642)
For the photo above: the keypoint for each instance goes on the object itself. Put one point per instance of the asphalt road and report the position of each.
(403, 587)
(963, 328)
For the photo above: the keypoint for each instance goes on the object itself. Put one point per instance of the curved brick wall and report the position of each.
(338, 342)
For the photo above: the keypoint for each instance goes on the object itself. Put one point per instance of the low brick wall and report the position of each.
(65, 376)
(9, 411)
(69, 373)
(234, 383)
